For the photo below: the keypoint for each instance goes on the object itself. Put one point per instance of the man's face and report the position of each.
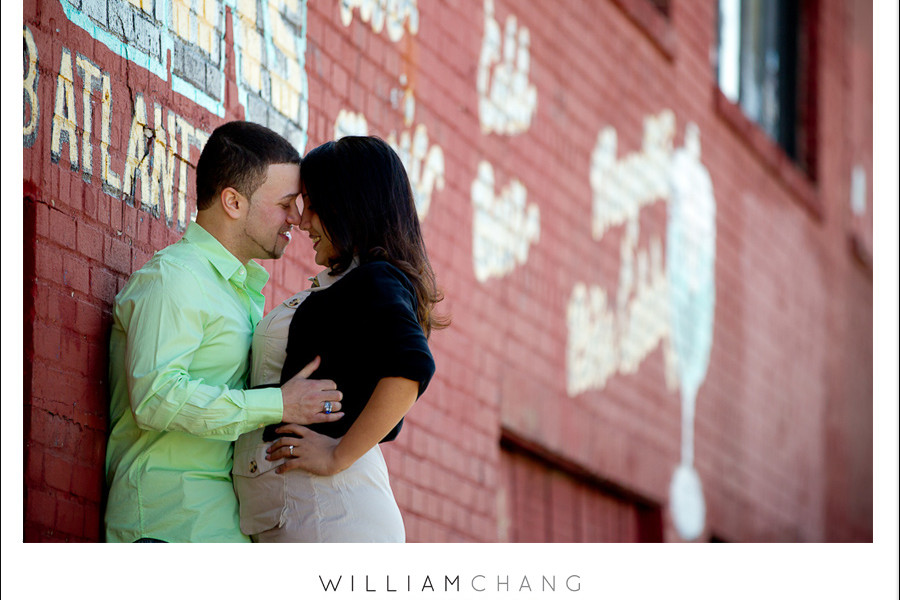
(273, 212)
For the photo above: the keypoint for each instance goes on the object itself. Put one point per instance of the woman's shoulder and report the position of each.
(383, 280)
(381, 271)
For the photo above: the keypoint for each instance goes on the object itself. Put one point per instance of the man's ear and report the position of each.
(233, 203)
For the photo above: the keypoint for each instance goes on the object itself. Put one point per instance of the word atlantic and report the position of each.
(477, 583)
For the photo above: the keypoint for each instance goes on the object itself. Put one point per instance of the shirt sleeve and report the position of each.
(401, 347)
(163, 335)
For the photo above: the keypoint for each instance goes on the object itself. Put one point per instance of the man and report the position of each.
(179, 348)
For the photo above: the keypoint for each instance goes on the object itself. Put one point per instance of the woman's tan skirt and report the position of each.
(356, 505)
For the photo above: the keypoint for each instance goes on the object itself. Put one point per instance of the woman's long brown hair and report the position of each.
(361, 192)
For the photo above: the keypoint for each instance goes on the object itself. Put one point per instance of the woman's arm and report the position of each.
(322, 455)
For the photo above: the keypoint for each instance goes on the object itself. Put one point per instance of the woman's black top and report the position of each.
(364, 327)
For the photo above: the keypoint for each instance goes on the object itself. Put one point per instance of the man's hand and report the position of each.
(305, 399)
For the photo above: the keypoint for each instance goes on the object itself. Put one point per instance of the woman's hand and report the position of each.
(304, 449)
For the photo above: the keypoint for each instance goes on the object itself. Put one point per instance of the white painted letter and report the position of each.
(136, 158)
(30, 80)
(89, 73)
(65, 117)
(111, 183)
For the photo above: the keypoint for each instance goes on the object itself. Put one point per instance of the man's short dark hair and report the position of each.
(238, 155)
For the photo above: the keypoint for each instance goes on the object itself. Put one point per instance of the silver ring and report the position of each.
(292, 450)
(328, 408)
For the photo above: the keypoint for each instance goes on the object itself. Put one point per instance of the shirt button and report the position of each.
(293, 302)
(253, 466)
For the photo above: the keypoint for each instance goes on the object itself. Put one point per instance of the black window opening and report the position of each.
(764, 60)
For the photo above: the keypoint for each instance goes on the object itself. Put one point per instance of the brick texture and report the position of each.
(783, 423)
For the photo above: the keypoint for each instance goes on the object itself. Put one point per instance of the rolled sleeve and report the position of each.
(401, 347)
(171, 366)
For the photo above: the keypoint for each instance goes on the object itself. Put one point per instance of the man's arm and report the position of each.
(162, 338)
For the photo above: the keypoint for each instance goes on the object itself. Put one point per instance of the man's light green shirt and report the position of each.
(179, 361)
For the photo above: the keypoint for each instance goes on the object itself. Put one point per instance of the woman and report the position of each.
(368, 316)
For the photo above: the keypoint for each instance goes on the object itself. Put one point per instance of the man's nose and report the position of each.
(294, 218)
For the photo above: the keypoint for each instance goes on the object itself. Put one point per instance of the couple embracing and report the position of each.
(227, 425)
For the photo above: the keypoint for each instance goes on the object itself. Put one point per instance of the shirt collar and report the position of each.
(325, 279)
(223, 261)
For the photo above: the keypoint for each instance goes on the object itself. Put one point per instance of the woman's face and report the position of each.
(312, 225)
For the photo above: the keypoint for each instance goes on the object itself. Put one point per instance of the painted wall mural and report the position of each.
(177, 41)
(149, 33)
(504, 223)
(157, 173)
(507, 100)
(665, 293)
(504, 226)
(350, 123)
(180, 41)
(861, 217)
(270, 46)
(634, 324)
(670, 305)
(30, 106)
(390, 15)
(691, 273)
(156, 147)
(858, 190)
(424, 161)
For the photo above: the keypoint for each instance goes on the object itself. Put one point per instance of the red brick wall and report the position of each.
(783, 425)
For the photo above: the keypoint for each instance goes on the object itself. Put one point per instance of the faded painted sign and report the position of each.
(858, 190)
(691, 273)
(159, 144)
(507, 99)
(637, 321)
(270, 47)
(389, 15)
(423, 161)
(505, 225)
(670, 305)
(181, 42)
(31, 108)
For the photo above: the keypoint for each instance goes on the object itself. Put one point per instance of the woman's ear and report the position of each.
(233, 203)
